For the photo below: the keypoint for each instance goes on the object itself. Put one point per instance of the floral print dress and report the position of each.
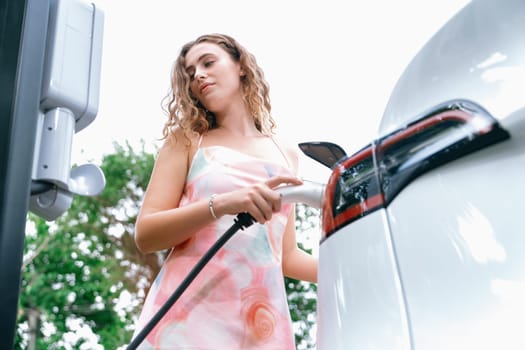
(238, 300)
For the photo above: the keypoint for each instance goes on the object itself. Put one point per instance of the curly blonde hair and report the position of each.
(186, 112)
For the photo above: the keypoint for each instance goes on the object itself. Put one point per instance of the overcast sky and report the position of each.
(331, 65)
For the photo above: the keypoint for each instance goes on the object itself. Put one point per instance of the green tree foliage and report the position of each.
(83, 279)
(78, 269)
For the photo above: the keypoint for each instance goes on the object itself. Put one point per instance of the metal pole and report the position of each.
(23, 28)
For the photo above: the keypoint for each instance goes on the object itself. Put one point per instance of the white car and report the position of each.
(423, 243)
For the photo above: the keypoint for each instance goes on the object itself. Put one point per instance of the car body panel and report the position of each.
(362, 298)
(459, 237)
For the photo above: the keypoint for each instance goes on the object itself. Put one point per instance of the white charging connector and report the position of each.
(310, 193)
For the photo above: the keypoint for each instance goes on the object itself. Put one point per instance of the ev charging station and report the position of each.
(50, 61)
(68, 103)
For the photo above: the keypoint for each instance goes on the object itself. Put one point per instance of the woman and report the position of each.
(220, 158)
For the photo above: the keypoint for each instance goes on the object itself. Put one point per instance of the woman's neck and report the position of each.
(240, 129)
(237, 123)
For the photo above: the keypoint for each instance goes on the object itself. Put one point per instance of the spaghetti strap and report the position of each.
(191, 154)
(284, 154)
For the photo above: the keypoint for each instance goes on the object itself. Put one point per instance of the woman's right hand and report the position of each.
(260, 200)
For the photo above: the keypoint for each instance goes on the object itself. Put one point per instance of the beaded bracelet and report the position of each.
(210, 206)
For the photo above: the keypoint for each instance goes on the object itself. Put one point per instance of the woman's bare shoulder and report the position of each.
(177, 140)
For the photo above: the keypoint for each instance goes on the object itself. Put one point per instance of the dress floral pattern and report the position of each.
(238, 300)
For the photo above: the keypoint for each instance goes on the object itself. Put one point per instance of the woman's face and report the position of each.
(215, 76)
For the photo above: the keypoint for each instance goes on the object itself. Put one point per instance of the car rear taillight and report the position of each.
(372, 177)
(352, 190)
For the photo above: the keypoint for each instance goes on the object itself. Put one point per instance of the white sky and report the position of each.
(331, 65)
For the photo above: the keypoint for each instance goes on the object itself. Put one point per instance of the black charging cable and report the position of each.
(242, 221)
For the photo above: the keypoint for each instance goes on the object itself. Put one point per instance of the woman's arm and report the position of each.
(160, 223)
(297, 263)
